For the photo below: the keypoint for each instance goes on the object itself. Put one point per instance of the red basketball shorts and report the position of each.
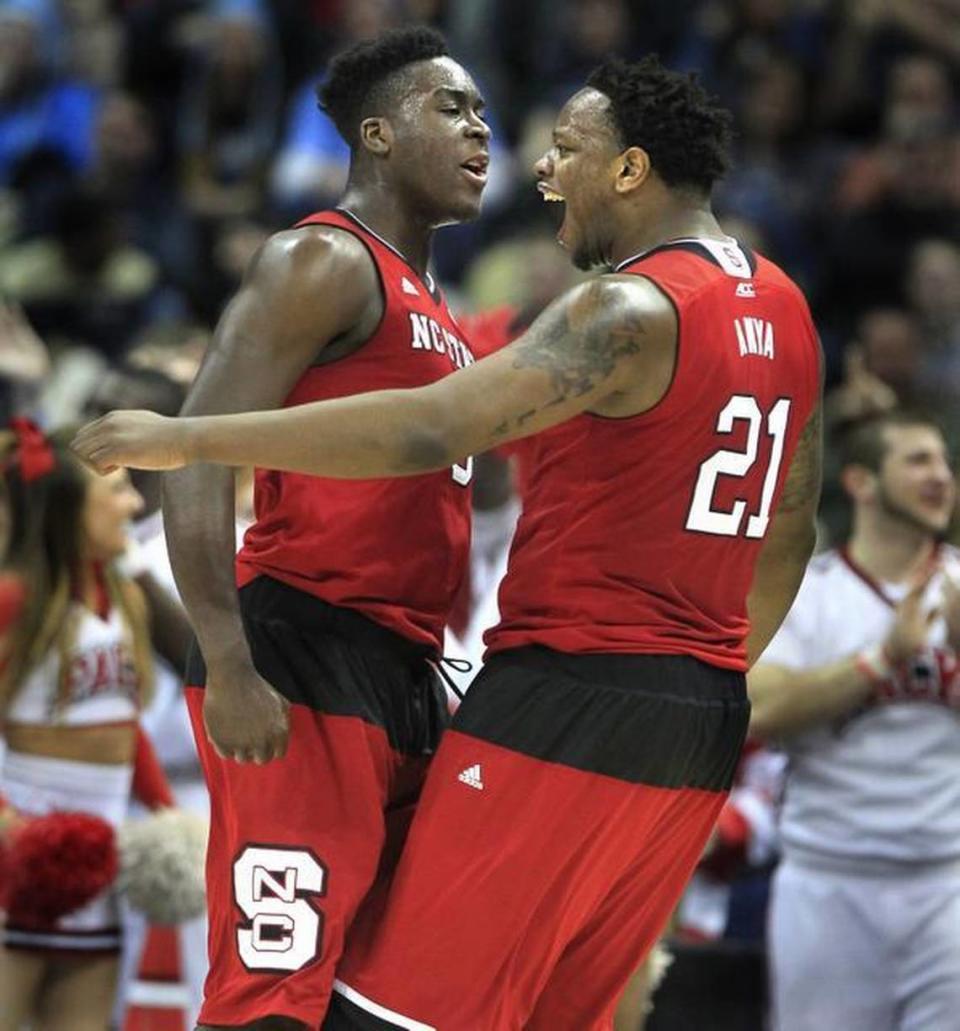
(561, 819)
(297, 844)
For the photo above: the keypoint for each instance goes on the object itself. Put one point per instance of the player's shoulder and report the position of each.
(303, 260)
(622, 295)
(316, 243)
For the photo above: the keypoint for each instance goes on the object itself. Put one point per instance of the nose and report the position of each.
(136, 501)
(543, 168)
(477, 128)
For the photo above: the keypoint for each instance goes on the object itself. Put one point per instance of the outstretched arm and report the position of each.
(606, 346)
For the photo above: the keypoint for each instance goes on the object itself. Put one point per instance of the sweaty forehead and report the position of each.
(587, 116)
(425, 77)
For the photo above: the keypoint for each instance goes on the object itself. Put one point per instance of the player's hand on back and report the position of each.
(245, 718)
(137, 439)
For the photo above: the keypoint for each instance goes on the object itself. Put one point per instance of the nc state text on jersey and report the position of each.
(429, 335)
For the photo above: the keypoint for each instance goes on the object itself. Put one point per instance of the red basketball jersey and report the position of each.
(640, 535)
(393, 549)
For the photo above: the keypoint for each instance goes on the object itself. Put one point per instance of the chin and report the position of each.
(111, 552)
(469, 212)
(457, 210)
(932, 525)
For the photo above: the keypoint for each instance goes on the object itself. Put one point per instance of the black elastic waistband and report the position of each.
(265, 599)
(682, 676)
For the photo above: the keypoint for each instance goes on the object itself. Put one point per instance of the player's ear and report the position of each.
(632, 168)
(376, 136)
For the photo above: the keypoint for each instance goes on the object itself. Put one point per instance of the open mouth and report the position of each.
(476, 169)
(550, 194)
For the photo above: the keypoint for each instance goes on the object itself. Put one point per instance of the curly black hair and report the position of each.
(358, 75)
(685, 132)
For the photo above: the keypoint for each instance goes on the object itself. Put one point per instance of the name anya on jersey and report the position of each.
(429, 335)
(755, 337)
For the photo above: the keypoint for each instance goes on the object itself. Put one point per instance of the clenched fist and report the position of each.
(136, 439)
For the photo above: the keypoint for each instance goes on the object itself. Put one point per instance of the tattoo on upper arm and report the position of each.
(579, 347)
(803, 479)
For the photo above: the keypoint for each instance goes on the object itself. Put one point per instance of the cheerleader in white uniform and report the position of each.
(75, 663)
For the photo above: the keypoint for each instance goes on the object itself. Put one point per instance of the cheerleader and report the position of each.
(75, 667)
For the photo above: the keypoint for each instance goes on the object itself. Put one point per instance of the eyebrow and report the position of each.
(461, 95)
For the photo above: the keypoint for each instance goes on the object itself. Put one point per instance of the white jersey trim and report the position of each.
(408, 1023)
(427, 278)
(734, 265)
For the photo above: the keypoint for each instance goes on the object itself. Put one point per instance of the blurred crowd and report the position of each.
(148, 147)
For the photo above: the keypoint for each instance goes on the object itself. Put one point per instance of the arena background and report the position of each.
(147, 148)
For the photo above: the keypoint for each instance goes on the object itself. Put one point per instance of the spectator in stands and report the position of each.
(127, 167)
(24, 362)
(861, 685)
(39, 110)
(231, 103)
(86, 285)
(933, 288)
(899, 193)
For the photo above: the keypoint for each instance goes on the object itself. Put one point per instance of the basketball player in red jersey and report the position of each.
(321, 666)
(664, 534)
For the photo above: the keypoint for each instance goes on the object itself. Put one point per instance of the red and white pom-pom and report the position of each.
(56, 864)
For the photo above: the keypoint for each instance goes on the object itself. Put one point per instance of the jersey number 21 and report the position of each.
(703, 517)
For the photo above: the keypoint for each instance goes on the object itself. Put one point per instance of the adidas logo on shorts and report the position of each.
(471, 777)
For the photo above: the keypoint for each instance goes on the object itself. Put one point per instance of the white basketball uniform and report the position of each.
(864, 930)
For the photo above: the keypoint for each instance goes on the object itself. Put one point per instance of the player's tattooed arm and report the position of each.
(588, 349)
(581, 344)
(606, 346)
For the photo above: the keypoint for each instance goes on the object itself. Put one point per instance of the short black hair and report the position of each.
(356, 76)
(864, 442)
(686, 133)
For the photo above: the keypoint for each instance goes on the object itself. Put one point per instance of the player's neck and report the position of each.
(890, 557)
(675, 219)
(381, 211)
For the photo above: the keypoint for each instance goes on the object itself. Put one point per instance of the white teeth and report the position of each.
(550, 194)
